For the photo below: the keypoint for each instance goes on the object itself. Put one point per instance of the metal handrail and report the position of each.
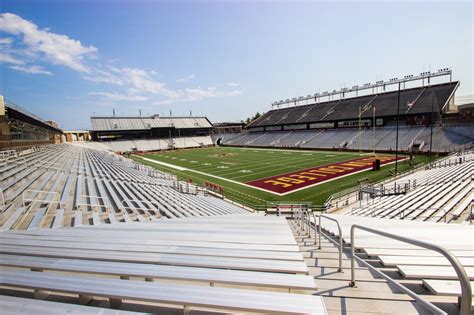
(466, 297)
(44, 201)
(124, 207)
(340, 238)
(98, 198)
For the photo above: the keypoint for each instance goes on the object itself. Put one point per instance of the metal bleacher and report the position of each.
(68, 185)
(445, 139)
(440, 192)
(237, 262)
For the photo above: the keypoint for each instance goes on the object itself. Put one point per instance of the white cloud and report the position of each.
(196, 94)
(120, 97)
(8, 58)
(6, 41)
(31, 69)
(29, 44)
(189, 77)
(56, 48)
(233, 84)
(102, 76)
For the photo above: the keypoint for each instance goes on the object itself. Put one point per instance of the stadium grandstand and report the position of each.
(154, 133)
(419, 118)
(90, 227)
(22, 129)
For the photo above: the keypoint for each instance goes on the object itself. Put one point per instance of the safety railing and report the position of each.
(93, 205)
(340, 243)
(466, 290)
(303, 220)
(134, 210)
(44, 200)
(78, 170)
(5, 155)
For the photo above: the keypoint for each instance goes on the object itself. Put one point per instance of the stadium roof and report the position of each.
(18, 112)
(144, 123)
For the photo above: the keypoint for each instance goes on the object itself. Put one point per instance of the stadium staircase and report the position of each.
(411, 104)
(278, 140)
(368, 106)
(390, 277)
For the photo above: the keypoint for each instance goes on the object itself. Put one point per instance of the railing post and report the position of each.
(340, 247)
(315, 233)
(319, 230)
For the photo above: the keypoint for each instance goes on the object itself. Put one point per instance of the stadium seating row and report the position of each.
(445, 139)
(69, 185)
(412, 101)
(240, 262)
(441, 192)
(150, 144)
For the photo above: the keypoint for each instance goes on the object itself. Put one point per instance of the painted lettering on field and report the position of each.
(286, 183)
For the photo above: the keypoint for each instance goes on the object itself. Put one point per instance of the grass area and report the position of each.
(246, 164)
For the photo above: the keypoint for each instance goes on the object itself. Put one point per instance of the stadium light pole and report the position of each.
(431, 127)
(396, 141)
(373, 133)
(360, 131)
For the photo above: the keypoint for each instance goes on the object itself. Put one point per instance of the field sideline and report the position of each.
(233, 167)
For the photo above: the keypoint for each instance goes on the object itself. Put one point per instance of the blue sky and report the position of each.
(66, 60)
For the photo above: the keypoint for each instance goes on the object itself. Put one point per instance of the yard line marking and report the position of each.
(179, 168)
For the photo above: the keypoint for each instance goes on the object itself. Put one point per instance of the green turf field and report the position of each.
(245, 164)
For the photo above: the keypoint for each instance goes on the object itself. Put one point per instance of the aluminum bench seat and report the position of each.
(234, 277)
(11, 195)
(199, 251)
(96, 218)
(413, 252)
(112, 218)
(11, 305)
(40, 235)
(35, 222)
(422, 261)
(444, 287)
(162, 258)
(187, 295)
(77, 218)
(58, 219)
(432, 272)
(12, 218)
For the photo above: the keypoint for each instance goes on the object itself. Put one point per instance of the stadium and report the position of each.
(351, 201)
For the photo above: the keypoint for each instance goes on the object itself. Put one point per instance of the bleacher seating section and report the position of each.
(412, 101)
(445, 139)
(440, 192)
(145, 145)
(70, 185)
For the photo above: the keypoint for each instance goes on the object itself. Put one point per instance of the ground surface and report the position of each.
(241, 171)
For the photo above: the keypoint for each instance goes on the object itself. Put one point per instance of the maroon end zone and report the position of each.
(289, 182)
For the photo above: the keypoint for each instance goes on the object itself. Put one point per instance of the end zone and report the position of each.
(290, 182)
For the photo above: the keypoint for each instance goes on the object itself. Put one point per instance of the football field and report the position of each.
(257, 176)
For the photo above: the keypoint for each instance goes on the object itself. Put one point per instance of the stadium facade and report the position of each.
(22, 129)
(422, 118)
